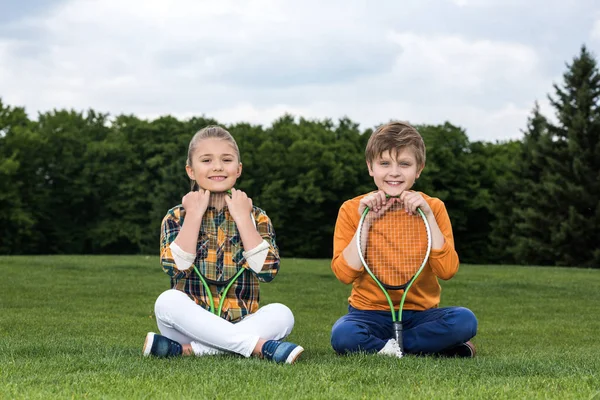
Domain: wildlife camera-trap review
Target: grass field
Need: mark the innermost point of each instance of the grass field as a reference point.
(73, 327)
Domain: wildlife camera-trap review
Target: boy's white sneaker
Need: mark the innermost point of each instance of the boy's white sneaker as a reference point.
(391, 349)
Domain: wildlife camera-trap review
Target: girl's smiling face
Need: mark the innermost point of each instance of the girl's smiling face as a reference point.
(215, 165)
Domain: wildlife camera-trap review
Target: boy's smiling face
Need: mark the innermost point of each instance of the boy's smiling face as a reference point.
(395, 171)
(215, 165)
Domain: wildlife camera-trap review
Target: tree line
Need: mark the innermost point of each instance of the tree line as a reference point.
(87, 183)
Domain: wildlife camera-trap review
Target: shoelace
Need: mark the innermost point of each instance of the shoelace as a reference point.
(397, 348)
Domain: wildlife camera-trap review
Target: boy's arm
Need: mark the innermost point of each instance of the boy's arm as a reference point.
(443, 258)
(346, 264)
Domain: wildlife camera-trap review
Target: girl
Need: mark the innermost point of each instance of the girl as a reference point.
(215, 233)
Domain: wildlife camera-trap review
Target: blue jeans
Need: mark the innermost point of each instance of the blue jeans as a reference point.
(425, 332)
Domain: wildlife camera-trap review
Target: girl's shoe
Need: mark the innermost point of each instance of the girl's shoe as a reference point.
(281, 352)
(161, 346)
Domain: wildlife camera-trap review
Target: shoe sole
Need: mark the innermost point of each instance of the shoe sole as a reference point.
(465, 350)
(471, 347)
(148, 344)
(293, 356)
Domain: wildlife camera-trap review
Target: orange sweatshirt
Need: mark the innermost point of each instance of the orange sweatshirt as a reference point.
(366, 295)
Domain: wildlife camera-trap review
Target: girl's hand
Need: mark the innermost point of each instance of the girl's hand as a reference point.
(413, 200)
(239, 204)
(196, 203)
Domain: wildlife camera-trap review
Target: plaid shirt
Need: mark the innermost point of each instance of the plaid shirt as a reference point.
(219, 254)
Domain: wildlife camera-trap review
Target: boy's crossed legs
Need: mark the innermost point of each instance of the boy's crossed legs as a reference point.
(433, 331)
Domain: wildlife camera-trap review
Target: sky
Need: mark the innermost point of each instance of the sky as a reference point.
(477, 64)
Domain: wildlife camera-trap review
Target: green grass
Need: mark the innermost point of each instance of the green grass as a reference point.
(73, 327)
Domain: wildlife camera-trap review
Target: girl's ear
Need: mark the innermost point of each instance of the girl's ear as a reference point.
(190, 172)
(239, 171)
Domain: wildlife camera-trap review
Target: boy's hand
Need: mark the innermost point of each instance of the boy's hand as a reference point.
(377, 202)
(413, 200)
(239, 204)
(196, 203)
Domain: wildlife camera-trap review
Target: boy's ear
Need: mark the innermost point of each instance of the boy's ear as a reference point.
(370, 169)
(419, 172)
(190, 172)
(239, 171)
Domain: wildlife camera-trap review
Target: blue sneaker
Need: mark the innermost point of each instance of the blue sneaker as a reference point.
(161, 346)
(281, 352)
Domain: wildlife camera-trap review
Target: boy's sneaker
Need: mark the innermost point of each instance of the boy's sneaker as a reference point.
(281, 352)
(161, 346)
(391, 349)
(463, 350)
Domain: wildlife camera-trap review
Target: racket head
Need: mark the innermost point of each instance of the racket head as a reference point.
(393, 245)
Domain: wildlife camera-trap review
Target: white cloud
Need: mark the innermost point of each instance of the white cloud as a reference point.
(595, 34)
(255, 60)
(452, 61)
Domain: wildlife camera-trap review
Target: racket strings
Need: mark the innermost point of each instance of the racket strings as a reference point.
(396, 245)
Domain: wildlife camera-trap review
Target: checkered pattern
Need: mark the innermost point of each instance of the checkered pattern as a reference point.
(219, 255)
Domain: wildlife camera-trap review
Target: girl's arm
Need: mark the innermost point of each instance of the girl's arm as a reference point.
(195, 205)
(264, 258)
(260, 251)
(170, 229)
(179, 235)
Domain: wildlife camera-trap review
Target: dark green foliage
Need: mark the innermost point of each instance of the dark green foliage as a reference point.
(16, 217)
(557, 211)
(84, 183)
(100, 187)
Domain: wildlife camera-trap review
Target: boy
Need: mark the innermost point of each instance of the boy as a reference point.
(395, 156)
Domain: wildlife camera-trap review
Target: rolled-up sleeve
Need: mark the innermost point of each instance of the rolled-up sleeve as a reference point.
(267, 232)
(444, 262)
(170, 228)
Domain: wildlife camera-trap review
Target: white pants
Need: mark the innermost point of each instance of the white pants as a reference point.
(179, 318)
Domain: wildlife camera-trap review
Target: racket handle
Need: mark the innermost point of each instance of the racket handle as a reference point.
(398, 335)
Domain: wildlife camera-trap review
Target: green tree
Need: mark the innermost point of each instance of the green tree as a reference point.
(489, 164)
(63, 191)
(16, 218)
(450, 176)
(523, 211)
(501, 179)
(303, 172)
(576, 162)
(558, 210)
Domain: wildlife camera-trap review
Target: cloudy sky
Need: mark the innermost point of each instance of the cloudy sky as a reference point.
(479, 64)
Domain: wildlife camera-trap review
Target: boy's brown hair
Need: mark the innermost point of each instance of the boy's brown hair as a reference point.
(395, 136)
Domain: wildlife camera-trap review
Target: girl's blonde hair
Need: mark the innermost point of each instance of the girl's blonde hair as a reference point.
(209, 132)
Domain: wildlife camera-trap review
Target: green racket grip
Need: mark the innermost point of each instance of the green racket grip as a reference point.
(398, 334)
